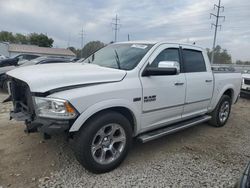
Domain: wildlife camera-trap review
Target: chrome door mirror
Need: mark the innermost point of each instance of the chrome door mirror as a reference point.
(163, 68)
(170, 65)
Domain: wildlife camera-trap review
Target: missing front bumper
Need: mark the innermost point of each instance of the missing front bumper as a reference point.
(48, 126)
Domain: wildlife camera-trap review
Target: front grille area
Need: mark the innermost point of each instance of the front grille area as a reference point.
(21, 97)
(247, 81)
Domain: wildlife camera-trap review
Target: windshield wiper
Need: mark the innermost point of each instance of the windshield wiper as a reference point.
(117, 59)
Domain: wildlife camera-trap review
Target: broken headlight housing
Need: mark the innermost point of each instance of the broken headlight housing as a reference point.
(54, 108)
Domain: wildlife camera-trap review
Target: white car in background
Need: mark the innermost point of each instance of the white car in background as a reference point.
(245, 88)
(2, 57)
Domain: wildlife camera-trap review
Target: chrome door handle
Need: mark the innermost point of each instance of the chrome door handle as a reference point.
(209, 80)
(179, 83)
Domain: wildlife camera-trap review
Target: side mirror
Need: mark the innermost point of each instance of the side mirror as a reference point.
(170, 64)
(164, 68)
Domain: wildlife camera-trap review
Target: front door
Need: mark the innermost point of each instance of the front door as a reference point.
(163, 96)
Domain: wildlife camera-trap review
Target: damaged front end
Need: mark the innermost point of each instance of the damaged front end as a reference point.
(27, 109)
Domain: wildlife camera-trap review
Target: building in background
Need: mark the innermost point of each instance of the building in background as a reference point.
(10, 50)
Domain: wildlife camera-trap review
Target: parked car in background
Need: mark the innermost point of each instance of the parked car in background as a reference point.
(75, 59)
(39, 60)
(13, 61)
(45, 60)
(3, 77)
(223, 69)
(141, 90)
(245, 87)
(80, 60)
(2, 57)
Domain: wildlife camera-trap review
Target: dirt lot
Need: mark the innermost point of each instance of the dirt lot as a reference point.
(200, 156)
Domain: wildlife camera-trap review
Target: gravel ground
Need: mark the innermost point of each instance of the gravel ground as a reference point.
(201, 156)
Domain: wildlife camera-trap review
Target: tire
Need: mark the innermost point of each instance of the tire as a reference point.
(95, 153)
(5, 86)
(218, 118)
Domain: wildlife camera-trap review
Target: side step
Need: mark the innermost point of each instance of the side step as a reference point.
(145, 137)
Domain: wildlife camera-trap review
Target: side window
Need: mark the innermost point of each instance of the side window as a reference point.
(193, 61)
(21, 57)
(169, 54)
(28, 57)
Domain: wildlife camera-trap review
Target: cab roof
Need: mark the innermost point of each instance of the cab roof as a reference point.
(159, 43)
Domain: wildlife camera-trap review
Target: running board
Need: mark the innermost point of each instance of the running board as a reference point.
(145, 137)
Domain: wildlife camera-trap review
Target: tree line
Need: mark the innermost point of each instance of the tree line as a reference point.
(41, 40)
(88, 49)
(221, 56)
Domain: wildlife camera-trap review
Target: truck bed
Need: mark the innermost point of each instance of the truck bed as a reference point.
(224, 80)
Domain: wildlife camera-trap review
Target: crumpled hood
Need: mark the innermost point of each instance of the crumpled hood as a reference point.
(43, 78)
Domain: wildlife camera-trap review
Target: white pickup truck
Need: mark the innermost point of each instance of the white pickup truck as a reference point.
(126, 90)
(245, 88)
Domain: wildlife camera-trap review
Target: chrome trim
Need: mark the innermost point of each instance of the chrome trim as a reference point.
(163, 108)
(203, 100)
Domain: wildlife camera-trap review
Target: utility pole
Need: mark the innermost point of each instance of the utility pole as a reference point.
(216, 25)
(82, 35)
(68, 40)
(116, 26)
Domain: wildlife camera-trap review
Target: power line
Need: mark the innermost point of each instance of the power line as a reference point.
(82, 35)
(216, 25)
(116, 26)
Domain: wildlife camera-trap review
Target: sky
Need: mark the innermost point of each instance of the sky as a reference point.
(185, 21)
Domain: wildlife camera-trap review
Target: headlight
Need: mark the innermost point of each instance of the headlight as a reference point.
(54, 108)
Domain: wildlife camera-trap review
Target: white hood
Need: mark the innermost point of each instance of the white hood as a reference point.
(42, 78)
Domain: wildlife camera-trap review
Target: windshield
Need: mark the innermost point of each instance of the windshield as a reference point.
(119, 56)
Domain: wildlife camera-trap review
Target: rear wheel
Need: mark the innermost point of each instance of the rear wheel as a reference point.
(221, 113)
(104, 141)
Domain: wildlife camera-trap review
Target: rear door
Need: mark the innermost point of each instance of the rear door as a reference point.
(199, 80)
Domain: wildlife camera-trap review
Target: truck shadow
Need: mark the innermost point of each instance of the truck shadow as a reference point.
(245, 96)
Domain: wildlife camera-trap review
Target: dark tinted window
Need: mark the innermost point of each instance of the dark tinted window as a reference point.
(193, 61)
(170, 54)
(29, 57)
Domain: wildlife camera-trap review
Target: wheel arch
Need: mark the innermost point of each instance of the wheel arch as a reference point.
(229, 92)
(128, 111)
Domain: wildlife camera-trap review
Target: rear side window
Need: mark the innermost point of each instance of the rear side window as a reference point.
(193, 61)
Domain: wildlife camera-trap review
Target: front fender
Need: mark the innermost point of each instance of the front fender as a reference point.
(105, 105)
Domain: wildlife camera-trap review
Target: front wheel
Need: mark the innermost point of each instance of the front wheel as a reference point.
(5, 86)
(103, 142)
(221, 113)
